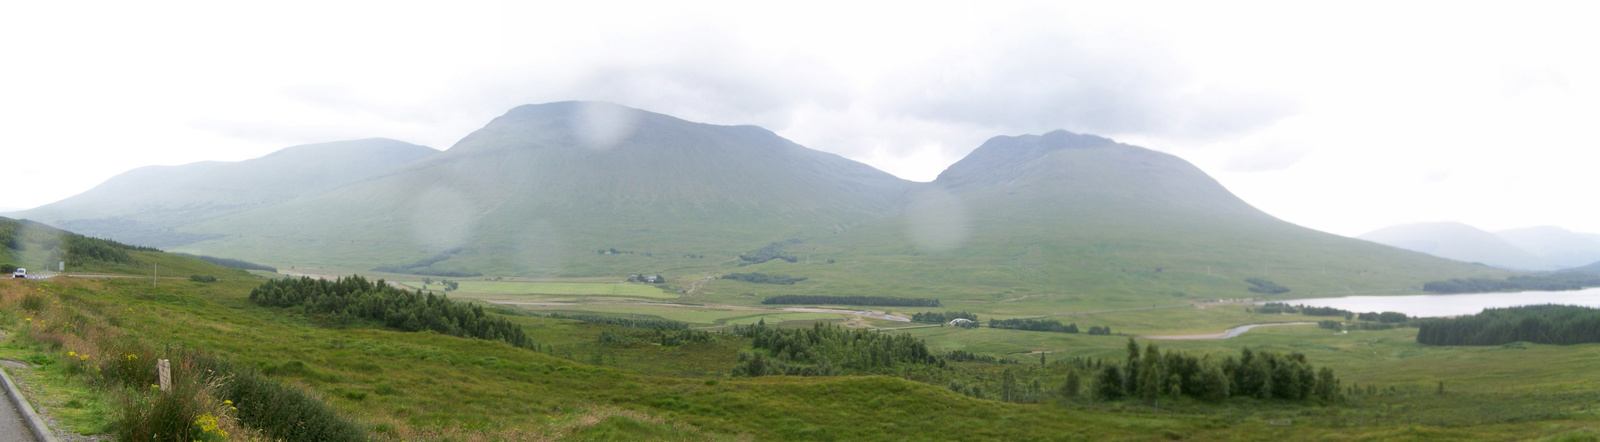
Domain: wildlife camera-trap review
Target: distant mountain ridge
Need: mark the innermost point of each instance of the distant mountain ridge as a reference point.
(1542, 248)
(541, 187)
(146, 206)
(582, 189)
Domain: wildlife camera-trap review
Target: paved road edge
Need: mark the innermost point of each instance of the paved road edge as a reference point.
(41, 431)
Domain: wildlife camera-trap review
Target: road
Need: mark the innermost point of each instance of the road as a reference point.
(11, 427)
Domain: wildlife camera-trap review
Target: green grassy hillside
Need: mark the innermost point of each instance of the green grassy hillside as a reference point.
(41, 248)
(144, 206)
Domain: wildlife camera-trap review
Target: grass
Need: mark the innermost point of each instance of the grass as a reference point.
(423, 386)
(50, 387)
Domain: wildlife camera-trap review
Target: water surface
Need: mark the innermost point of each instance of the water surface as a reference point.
(1453, 305)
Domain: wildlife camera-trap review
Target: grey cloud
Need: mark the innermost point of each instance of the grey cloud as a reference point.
(282, 133)
(1105, 86)
(1270, 158)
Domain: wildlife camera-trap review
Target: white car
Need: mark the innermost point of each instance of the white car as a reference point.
(20, 273)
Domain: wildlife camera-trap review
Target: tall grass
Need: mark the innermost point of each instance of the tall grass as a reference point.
(209, 397)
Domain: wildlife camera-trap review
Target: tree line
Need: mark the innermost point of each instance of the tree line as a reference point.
(1544, 324)
(637, 322)
(1383, 317)
(1152, 374)
(354, 297)
(1048, 325)
(1519, 283)
(942, 317)
(1263, 286)
(762, 278)
(826, 349)
(852, 300)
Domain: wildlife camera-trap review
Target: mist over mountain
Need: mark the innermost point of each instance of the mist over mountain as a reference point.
(146, 206)
(1540, 248)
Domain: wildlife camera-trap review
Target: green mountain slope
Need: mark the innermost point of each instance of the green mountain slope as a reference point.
(42, 248)
(1085, 223)
(144, 206)
(539, 190)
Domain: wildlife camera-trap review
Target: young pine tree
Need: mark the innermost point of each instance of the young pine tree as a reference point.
(1073, 385)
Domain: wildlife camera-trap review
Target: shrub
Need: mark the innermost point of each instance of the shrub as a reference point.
(202, 278)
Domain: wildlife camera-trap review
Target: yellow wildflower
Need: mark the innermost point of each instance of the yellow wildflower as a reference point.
(72, 353)
(227, 402)
(208, 424)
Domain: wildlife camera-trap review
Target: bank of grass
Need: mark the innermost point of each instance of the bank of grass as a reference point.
(430, 386)
(74, 337)
(423, 386)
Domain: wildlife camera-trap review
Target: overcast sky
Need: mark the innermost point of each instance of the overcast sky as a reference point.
(1340, 116)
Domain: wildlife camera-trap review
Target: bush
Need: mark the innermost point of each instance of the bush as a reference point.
(202, 278)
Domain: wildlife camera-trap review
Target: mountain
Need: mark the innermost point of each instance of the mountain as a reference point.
(545, 189)
(579, 189)
(1541, 248)
(149, 205)
(1078, 218)
(1592, 268)
(1555, 246)
(1457, 241)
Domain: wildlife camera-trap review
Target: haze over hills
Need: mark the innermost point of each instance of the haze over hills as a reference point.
(1535, 248)
(147, 206)
(555, 189)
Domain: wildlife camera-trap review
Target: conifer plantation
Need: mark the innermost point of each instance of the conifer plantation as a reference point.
(347, 299)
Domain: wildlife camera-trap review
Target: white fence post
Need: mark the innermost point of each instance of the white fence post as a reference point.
(164, 370)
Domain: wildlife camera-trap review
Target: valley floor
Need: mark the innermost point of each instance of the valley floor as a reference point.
(427, 386)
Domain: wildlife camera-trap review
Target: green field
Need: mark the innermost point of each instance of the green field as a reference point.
(552, 288)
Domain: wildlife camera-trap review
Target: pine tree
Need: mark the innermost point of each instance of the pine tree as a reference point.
(1073, 385)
